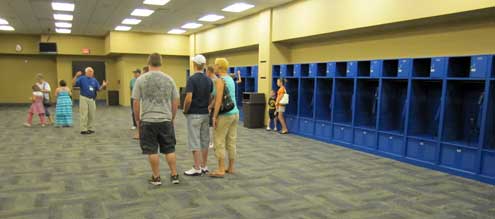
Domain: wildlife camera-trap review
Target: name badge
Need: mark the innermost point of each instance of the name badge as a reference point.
(91, 88)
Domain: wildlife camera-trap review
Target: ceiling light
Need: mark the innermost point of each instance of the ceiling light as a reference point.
(60, 6)
(123, 28)
(211, 18)
(6, 28)
(62, 30)
(3, 21)
(176, 31)
(155, 2)
(238, 7)
(142, 12)
(131, 21)
(63, 24)
(63, 17)
(191, 25)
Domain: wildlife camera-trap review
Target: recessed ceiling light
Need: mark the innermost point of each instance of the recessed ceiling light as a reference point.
(3, 21)
(176, 31)
(141, 12)
(6, 28)
(155, 2)
(211, 18)
(60, 6)
(238, 7)
(123, 28)
(62, 30)
(63, 17)
(131, 21)
(191, 25)
(63, 24)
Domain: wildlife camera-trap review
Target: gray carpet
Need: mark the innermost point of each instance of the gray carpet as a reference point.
(57, 173)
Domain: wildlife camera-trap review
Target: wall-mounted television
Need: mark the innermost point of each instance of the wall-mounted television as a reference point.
(48, 48)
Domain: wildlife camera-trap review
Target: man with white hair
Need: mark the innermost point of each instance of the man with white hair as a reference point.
(88, 87)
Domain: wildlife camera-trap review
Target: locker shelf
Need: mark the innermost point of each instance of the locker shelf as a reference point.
(340, 69)
(287, 71)
(302, 70)
(463, 112)
(424, 112)
(459, 67)
(292, 87)
(319, 69)
(421, 67)
(393, 106)
(366, 103)
(276, 70)
(489, 141)
(364, 69)
(324, 99)
(343, 101)
(306, 104)
(385, 68)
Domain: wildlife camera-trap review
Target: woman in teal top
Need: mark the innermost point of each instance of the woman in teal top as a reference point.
(225, 124)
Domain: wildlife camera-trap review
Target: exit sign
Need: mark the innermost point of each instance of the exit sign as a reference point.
(86, 51)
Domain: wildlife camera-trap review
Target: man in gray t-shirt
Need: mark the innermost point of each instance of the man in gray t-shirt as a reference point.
(156, 100)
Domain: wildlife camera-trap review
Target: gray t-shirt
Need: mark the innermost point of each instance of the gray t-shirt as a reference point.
(155, 91)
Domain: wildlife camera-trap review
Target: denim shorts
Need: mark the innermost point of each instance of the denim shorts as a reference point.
(198, 130)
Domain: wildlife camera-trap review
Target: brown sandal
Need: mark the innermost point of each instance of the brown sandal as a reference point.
(227, 171)
(216, 174)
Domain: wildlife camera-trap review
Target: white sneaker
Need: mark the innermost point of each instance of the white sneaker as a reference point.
(275, 130)
(193, 172)
(211, 145)
(133, 127)
(204, 170)
(268, 129)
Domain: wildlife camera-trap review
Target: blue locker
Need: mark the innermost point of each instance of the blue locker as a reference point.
(292, 88)
(318, 70)
(458, 157)
(342, 112)
(425, 151)
(421, 67)
(482, 66)
(323, 130)
(306, 127)
(342, 133)
(392, 144)
(385, 68)
(239, 90)
(489, 131)
(365, 138)
(292, 123)
(306, 99)
(405, 68)
(276, 71)
(464, 112)
(439, 67)
(302, 70)
(424, 113)
(323, 99)
(454, 67)
(488, 164)
(393, 106)
(287, 71)
(366, 106)
(352, 69)
(254, 71)
(250, 84)
(358, 68)
(340, 69)
(248, 71)
(332, 69)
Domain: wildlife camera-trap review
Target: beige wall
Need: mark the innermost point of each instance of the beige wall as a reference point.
(73, 45)
(18, 74)
(243, 57)
(29, 43)
(147, 43)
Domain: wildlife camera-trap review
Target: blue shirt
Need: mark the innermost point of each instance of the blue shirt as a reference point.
(88, 86)
(229, 82)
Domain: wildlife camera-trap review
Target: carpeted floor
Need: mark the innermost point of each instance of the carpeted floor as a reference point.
(57, 173)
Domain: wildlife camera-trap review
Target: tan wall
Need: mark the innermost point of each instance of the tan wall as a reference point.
(146, 43)
(236, 58)
(73, 45)
(435, 40)
(29, 43)
(18, 74)
(312, 17)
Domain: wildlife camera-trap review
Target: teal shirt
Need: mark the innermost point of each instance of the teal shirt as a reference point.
(133, 81)
(231, 85)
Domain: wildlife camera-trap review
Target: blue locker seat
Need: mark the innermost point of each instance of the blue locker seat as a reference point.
(342, 133)
(292, 87)
(318, 70)
(276, 71)
(391, 144)
(306, 101)
(460, 158)
(488, 164)
(420, 150)
(393, 106)
(323, 130)
(365, 138)
(287, 71)
(366, 106)
(343, 101)
(292, 123)
(489, 139)
(424, 113)
(323, 99)
(385, 68)
(306, 126)
(463, 112)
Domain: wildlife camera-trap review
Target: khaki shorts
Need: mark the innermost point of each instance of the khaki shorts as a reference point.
(281, 109)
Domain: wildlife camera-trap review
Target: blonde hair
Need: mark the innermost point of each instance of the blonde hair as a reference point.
(222, 64)
(40, 76)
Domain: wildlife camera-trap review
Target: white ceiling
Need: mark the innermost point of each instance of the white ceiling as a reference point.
(97, 17)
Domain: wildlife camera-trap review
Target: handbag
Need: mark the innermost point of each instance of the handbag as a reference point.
(285, 99)
(227, 103)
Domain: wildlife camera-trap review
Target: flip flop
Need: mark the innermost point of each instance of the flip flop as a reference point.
(215, 174)
(227, 171)
(284, 133)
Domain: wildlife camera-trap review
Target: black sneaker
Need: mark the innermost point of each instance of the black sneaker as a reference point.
(174, 179)
(91, 131)
(85, 133)
(156, 181)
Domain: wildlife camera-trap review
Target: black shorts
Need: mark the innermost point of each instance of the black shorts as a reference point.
(271, 114)
(160, 134)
